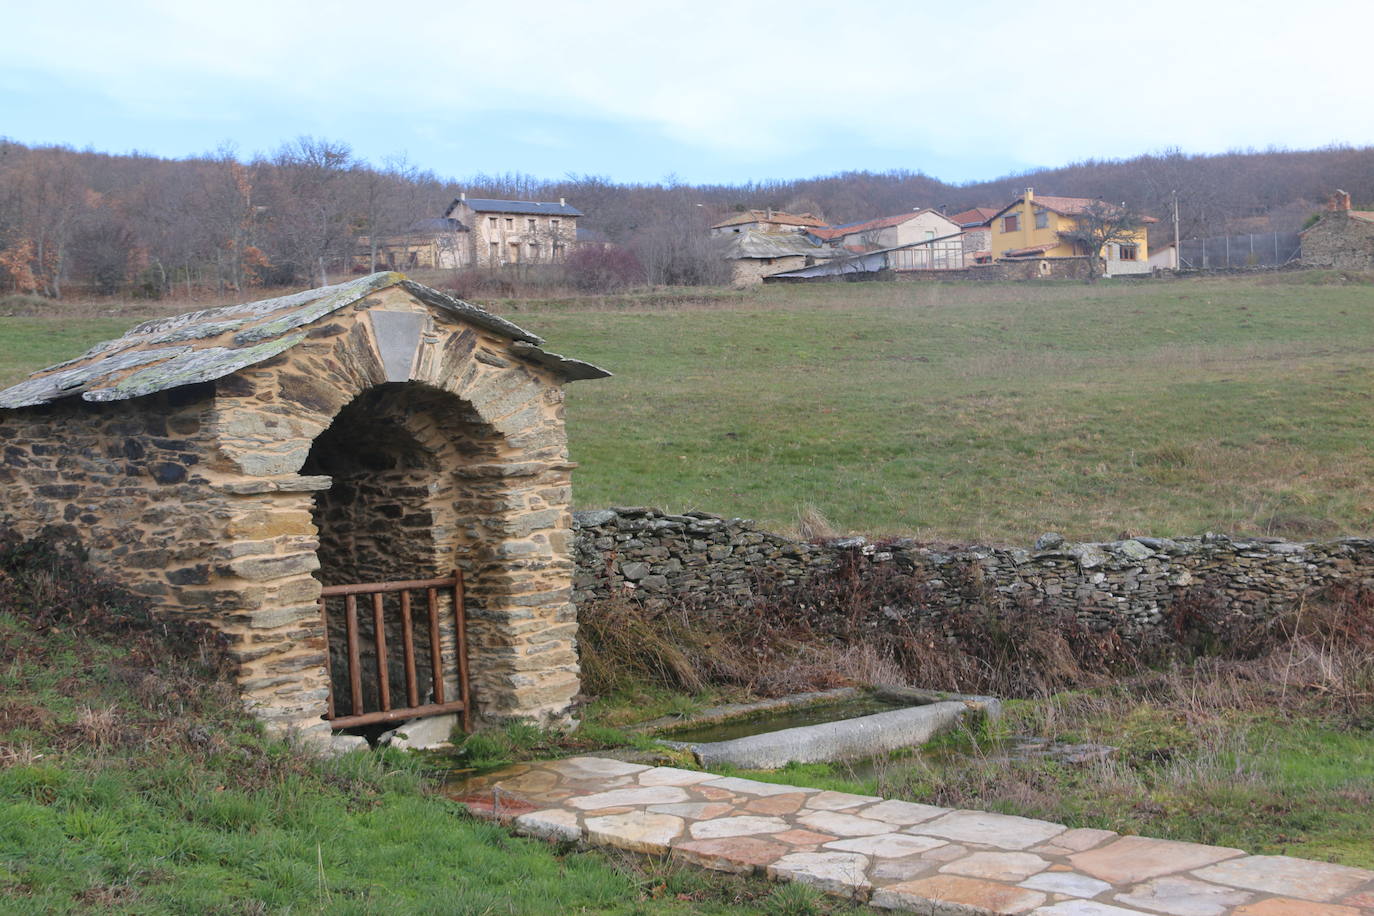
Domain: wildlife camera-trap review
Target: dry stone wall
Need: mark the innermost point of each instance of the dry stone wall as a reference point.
(1126, 585)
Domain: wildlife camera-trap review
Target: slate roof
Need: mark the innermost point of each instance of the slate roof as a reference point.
(210, 344)
(528, 207)
(754, 244)
(777, 216)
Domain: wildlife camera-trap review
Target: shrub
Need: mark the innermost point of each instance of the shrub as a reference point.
(604, 269)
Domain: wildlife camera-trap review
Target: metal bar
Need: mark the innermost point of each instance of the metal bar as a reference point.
(460, 641)
(330, 591)
(355, 674)
(383, 672)
(408, 646)
(392, 715)
(328, 669)
(435, 660)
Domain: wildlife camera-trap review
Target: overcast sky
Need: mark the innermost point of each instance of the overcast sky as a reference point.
(704, 90)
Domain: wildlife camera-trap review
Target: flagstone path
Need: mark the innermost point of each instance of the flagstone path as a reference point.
(898, 855)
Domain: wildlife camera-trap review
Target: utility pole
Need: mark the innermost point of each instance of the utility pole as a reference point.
(1178, 252)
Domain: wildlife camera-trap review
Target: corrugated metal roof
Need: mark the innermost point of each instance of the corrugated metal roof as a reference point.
(529, 207)
(210, 344)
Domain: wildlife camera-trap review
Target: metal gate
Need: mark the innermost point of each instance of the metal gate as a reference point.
(384, 710)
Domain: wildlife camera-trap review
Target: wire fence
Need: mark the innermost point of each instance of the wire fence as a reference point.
(1265, 249)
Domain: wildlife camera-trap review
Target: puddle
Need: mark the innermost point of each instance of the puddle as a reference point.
(792, 717)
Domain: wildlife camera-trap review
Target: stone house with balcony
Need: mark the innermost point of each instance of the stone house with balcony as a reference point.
(497, 233)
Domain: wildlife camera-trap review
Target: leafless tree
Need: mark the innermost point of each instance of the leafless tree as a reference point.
(1101, 224)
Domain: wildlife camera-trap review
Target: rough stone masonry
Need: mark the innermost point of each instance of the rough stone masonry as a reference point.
(196, 457)
(1123, 585)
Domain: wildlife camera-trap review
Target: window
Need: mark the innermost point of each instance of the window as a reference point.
(558, 252)
(1126, 252)
(491, 221)
(1042, 219)
(1010, 223)
(529, 224)
(495, 253)
(553, 224)
(930, 234)
(515, 252)
(510, 222)
(533, 249)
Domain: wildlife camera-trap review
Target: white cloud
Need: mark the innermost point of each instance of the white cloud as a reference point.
(1033, 82)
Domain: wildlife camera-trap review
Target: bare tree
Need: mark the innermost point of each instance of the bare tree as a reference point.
(1101, 224)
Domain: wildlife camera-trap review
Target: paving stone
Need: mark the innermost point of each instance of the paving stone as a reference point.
(957, 896)
(1084, 908)
(890, 871)
(799, 837)
(901, 813)
(696, 811)
(637, 831)
(1071, 883)
(998, 866)
(1178, 895)
(739, 854)
(743, 825)
(636, 795)
(1288, 906)
(840, 873)
(838, 801)
(887, 845)
(1079, 840)
(1003, 830)
(1288, 876)
(550, 824)
(672, 776)
(1365, 899)
(777, 804)
(530, 785)
(947, 853)
(1133, 859)
(843, 824)
(753, 787)
(593, 767)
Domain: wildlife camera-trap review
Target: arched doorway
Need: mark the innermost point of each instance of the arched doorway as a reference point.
(400, 509)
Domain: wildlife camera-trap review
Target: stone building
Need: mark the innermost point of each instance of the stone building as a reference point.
(769, 221)
(229, 463)
(1341, 238)
(500, 232)
(755, 255)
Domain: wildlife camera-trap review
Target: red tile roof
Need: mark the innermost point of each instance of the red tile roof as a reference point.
(975, 216)
(1066, 206)
(777, 216)
(1366, 215)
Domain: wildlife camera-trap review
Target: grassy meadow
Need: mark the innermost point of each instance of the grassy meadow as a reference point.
(960, 412)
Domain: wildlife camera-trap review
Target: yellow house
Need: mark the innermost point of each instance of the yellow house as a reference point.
(1029, 227)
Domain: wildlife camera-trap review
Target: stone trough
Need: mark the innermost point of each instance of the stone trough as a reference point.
(928, 715)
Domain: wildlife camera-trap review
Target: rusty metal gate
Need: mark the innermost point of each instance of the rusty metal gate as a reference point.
(383, 710)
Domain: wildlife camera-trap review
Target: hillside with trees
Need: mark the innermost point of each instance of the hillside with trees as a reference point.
(107, 224)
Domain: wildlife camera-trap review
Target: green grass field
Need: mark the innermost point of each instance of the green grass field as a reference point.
(962, 412)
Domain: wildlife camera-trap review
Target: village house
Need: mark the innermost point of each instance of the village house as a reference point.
(1031, 227)
(500, 232)
(921, 225)
(977, 226)
(766, 221)
(480, 232)
(1341, 238)
(754, 255)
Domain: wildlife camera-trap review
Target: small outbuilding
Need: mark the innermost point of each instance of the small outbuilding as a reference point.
(364, 487)
(1341, 238)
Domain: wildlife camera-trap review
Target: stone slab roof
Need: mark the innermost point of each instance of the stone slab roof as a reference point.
(209, 344)
(752, 244)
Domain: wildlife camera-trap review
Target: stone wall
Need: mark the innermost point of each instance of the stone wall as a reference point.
(1340, 241)
(1125, 586)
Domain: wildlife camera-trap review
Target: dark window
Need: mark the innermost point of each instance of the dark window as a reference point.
(1010, 223)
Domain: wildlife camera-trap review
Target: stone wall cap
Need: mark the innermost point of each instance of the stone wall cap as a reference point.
(296, 483)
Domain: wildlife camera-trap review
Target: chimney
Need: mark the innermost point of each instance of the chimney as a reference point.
(1340, 201)
(463, 196)
(562, 201)
(1030, 195)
